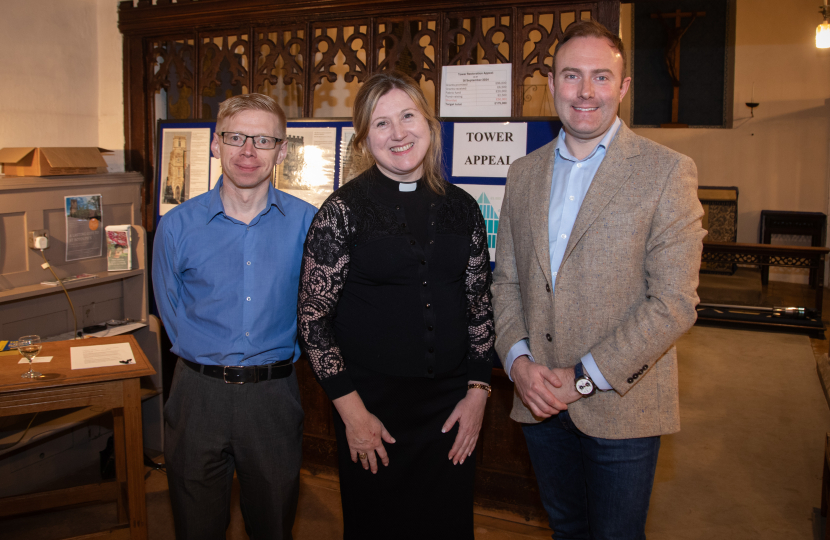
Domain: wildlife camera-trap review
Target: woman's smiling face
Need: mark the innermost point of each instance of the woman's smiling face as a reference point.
(399, 137)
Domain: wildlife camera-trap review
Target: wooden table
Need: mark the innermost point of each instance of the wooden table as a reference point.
(116, 388)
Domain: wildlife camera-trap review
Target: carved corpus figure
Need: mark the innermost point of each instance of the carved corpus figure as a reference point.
(672, 54)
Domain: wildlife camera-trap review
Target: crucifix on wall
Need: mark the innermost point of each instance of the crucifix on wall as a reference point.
(672, 54)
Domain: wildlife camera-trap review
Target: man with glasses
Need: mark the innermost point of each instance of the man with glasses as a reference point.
(226, 269)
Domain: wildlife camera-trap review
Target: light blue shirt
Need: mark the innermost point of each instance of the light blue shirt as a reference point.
(571, 179)
(227, 290)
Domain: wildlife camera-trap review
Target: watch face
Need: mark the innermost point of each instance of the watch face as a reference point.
(584, 386)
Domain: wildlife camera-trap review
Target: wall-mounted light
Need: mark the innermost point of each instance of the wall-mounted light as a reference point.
(752, 103)
(823, 30)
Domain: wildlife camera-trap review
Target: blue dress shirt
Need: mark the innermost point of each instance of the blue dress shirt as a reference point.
(571, 179)
(227, 290)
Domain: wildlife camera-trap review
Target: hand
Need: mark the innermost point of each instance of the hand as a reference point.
(537, 385)
(469, 413)
(567, 392)
(364, 431)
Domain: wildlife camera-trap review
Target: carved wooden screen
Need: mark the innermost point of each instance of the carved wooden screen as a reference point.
(170, 69)
(541, 29)
(280, 65)
(340, 51)
(224, 68)
(182, 59)
(410, 44)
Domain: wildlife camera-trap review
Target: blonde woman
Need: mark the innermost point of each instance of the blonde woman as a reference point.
(395, 316)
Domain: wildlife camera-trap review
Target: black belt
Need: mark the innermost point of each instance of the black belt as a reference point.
(243, 374)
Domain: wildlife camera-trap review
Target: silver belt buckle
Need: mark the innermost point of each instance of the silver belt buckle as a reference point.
(225, 375)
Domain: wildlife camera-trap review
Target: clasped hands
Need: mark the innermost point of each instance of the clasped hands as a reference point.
(546, 392)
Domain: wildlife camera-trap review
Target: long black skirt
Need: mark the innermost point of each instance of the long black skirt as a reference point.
(421, 494)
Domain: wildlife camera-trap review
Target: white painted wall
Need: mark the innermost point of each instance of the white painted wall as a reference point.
(779, 159)
(110, 83)
(63, 87)
(61, 82)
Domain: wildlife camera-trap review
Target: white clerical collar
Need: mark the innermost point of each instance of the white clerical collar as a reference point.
(407, 186)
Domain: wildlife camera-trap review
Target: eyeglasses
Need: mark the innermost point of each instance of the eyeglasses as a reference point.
(262, 142)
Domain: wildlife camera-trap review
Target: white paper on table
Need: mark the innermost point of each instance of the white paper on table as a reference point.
(117, 330)
(100, 355)
(37, 360)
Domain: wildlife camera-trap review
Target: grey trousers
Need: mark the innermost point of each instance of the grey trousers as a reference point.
(213, 428)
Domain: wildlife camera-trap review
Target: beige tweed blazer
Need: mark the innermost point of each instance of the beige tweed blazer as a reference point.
(626, 289)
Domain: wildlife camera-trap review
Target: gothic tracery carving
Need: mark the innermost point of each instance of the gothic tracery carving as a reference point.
(170, 68)
(201, 52)
(288, 45)
(487, 31)
(538, 59)
(351, 38)
(402, 42)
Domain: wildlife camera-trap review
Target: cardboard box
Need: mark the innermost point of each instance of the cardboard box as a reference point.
(39, 161)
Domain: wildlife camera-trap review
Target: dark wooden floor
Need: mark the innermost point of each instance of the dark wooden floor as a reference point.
(505, 481)
(744, 288)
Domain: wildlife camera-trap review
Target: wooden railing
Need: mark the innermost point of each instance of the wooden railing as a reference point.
(766, 255)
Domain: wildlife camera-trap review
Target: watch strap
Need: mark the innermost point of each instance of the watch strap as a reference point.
(581, 380)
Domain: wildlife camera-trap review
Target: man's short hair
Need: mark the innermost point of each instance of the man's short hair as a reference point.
(250, 102)
(590, 28)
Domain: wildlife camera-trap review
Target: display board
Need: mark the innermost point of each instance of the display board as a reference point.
(488, 191)
(477, 154)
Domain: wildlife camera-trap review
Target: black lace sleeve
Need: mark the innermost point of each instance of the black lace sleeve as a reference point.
(479, 309)
(322, 276)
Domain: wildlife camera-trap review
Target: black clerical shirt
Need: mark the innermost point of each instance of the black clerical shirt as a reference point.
(396, 282)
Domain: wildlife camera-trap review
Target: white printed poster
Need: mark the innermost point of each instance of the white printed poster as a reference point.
(482, 91)
(487, 149)
(489, 199)
(307, 172)
(215, 171)
(185, 166)
(347, 170)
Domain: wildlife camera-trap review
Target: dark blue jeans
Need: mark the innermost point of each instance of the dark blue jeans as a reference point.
(592, 488)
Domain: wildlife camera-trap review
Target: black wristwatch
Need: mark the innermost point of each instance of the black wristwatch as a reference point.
(584, 385)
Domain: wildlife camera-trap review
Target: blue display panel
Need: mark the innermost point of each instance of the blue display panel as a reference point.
(539, 133)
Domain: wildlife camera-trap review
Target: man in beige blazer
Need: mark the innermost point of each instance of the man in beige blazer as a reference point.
(597, 264)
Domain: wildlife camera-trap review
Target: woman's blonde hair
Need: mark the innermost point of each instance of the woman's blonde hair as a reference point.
(377, 86)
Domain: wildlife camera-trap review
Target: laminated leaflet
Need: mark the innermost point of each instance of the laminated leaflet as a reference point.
(119, 252)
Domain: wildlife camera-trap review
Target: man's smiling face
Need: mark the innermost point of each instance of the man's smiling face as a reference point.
(246, 166)
(588, 86)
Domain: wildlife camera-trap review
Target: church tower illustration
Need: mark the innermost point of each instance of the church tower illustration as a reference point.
(491, 219)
